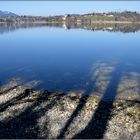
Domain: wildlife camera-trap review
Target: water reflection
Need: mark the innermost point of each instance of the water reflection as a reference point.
(70, 61)
(10, 27)
(110, 27)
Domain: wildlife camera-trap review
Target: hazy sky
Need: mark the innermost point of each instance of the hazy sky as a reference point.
(45, 8)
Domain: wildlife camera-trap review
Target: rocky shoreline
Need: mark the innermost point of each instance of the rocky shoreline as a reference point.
(27, 113)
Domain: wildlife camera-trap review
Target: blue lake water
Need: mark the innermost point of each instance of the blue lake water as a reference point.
(68, 60)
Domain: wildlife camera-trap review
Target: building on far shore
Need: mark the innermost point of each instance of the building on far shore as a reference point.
(65, 17)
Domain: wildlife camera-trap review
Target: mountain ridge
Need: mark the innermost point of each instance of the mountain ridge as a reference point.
(7, 13)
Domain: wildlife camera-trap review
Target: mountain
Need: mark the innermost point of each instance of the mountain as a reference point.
(6, 13)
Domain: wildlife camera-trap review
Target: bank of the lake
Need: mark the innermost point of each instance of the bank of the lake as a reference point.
(28, 113)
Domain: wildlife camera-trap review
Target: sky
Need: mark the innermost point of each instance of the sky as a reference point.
(48, 8)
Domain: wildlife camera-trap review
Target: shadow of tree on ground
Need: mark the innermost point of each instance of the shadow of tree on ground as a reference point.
(24, 124)
(21, 125)
(97, 125)
(111, 89)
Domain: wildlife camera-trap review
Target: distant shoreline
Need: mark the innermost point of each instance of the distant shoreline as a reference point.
(108, 22)
(110, 17)
(113, 26)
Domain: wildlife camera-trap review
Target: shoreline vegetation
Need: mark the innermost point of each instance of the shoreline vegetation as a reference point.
(124, 22)
(123, 17)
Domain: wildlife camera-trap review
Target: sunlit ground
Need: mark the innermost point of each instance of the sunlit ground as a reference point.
(107, 108)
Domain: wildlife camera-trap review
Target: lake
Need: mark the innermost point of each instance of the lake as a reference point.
(77, 60)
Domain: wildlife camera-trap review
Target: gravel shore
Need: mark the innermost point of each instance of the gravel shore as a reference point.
(27, 113)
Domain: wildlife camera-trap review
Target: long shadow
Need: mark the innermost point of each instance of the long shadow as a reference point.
(10, 102)
(13, 87)
(98, 124)
(22, 125)
(9, 89)
(80, 106)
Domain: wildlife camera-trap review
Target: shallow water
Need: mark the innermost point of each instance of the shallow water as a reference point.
(71, 60)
